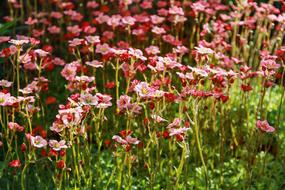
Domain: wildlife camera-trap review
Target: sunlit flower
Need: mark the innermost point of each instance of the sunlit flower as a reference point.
(57, 146)
(264, 126)
(38, 141)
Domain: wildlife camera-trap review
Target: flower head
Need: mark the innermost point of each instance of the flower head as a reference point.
(55, 145)
(38, 142)
(264, 126)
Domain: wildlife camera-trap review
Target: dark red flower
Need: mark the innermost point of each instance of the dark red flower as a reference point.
(60, 164)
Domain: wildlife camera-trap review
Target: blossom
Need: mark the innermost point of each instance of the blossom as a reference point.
(152, 50)
(119, 139)
(104, 100)
(88, 99)
(132, 140)
(157, 118)
(57, 127)
(15, 127)
(103, 49)
(41, 52)
(4, 39)
(15, 164)
(137, 53)
(18, 42)
(264, 126)
(128, 140)
(158, 30)
(92, 39)
(94, 63)
(156, 19)
(57, 146)
(124, 102)
(178, 131)
(75, 42)
(176, 10)
(53, 29)
(176, 122)
(128, 20)
(203, 50)
(69, 71)
(61, 164)
(143, 90)
(7, 99)
(5, 83)
(38, 141)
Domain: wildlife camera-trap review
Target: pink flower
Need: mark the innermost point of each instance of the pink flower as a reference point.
(156, 19)
(176, 123)
(127, 140)
(95, 64)
(4, 39)
(56, 15)
(157, 118)
(128, 20)
(57, 127)
(143, 90)
(171, 39)
(179, 131)
(103, 49)
(92, 39)
(264, 126)
(53, 29)
(203, 50)
(88, 99)
(132, 140)
(5, 83)
(119, 139)
(152, 50)
(15, 127)
(92, 4)
(75, 42)
(74, 29)
(158, 30)
(69, 72)
(114, 21)
(124, 102)
(38, 142)
(31, 21)
(6, 99)
(104, 100)
(41, 52)
(19, 42)
(58, 61)
(176, 10)
(137, 53)
(55, 145)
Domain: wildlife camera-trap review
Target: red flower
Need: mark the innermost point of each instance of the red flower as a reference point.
(107, 143)
(246, 87)
(15, 163)
(60, 164)
(165, 134)
(50, 100)
(128, 148)
(43, 152)
(62, 153)
(170, 97)
(23, 147)
(52, 152)
(151, 105)
(110, 85)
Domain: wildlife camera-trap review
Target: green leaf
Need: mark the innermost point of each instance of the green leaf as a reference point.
(4, 27)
